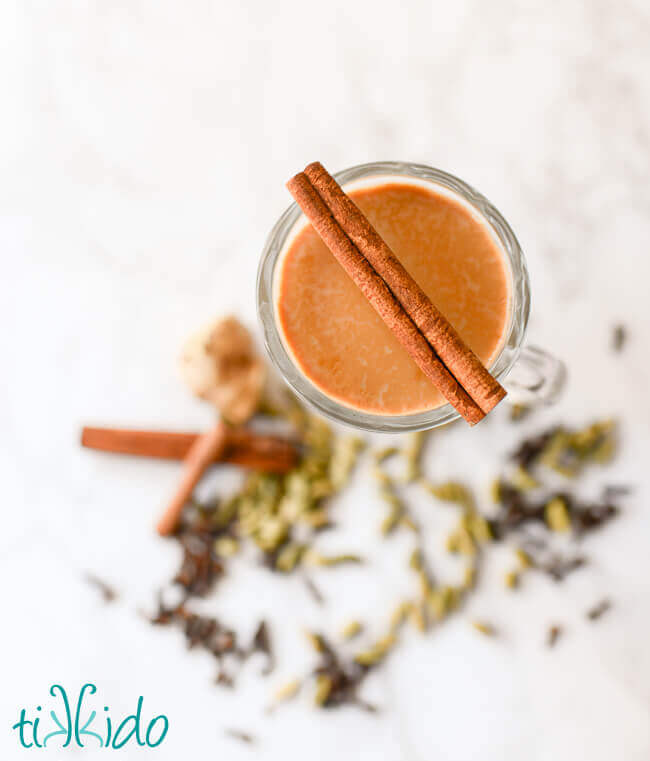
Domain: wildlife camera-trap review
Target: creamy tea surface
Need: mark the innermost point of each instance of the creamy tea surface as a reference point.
(337, 339)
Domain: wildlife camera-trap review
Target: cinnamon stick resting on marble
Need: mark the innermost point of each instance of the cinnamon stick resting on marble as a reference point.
(204, 450)
(244, 447)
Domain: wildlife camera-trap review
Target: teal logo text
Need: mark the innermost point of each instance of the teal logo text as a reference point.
(79, 724)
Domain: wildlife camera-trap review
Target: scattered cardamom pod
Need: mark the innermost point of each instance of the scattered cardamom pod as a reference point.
(311, 557)
(557, 515)
(382, 478)
(316, 641)
(287, 691)
(484, 628)
(316, 519)
(344, 457)
(415, 560)
(426, 585)
(381, 455)
(441, 601)
(271, 533)
(452, 598)
(437, 604)
(521, 479)
(461, 541)
(511, 579)
(323, 689)
(289, 556)
(556, 454)
(469, 577)
(479, 528)
(452, 543)
(351, 629)
(225, 546)
(450, 491)
(409, 523)
(377, 652)
(495, 491)
(523, 557)
(418, 616)
(400, 615)
(412, 453)
(391, 521)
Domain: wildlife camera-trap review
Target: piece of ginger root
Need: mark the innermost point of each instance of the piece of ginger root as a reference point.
(220, 364)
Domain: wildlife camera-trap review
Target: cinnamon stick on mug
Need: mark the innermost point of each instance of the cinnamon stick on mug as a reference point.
(420, 327)
(375, 289)
(460, 360)
(203, 451)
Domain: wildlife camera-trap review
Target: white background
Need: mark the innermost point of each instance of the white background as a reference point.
(144, 147)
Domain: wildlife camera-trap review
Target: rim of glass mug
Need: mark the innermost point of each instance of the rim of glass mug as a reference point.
(376, 172)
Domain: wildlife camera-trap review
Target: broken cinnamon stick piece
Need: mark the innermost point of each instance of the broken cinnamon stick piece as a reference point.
(203, 451)
(459, 359)
(271, 454)
(380, 297)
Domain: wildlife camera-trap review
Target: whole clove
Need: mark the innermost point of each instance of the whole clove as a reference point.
(530, 449)
(262, 644)
(552, 635)
(337, 679)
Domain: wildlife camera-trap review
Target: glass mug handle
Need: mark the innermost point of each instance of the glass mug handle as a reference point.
(536, 378)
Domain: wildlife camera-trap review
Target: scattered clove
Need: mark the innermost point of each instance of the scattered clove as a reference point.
(553, 634)
(262, 644)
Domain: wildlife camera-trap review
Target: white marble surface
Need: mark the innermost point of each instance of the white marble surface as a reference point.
(143, 151)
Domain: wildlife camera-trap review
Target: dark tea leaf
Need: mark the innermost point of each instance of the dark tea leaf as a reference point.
(238, 734)
(598, 610)
(619, 338)
(107, 592)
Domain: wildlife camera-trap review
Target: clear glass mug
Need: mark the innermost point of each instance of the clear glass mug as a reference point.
(528, 373)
